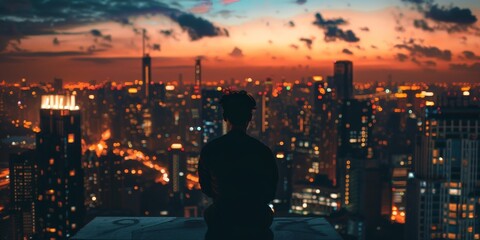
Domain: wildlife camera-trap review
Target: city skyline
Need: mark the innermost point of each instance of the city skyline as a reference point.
(404, 40)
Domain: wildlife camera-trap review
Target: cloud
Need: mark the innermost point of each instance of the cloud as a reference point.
(236, 52)
(197, 27)
(332, 31)
(300, 2)
(365, 29)
(374, 47)
(426, 51)
(294, 46)
(202, 7)
(451, 15)
(26, 54)
(156, 47)
(308, 42)
(225, 2)
(422, 24)
(401, 57)
(346, 51)
(415, 1)
(475, 67)
(55, 41)
(38, 17)
(470, 55)
(96, 33)
(430, 63)
(291, 24)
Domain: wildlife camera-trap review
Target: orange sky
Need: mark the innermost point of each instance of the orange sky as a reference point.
(269, 47)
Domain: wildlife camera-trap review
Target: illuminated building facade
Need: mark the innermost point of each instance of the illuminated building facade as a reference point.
(146, 76)
(321, 201)
(60, 195)
(212, 117)
(177, 167)
(282, 201)
(444, 200)
(324, 131)
(22, 194)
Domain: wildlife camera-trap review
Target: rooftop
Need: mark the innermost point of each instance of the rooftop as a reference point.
(172, 228)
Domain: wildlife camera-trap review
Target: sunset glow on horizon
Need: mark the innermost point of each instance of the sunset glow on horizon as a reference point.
(410, 40)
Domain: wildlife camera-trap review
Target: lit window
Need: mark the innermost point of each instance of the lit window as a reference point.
(72, 173)
(51, 161)
(71, 138)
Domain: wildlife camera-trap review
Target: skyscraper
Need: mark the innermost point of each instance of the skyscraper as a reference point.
(343, 79)
(212, 118)
(22, 194)
(60, 198)
(146, 76)
(177, 167)
(443, 192)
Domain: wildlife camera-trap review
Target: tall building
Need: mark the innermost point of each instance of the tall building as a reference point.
(60, 193)
(198, 72)
(212, 118)
(146, 76)
(443, 192)
(343, 79)
(177, 167)
(22, 194)
(324, 131)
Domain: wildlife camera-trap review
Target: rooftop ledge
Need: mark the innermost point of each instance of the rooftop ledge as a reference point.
(170, 228)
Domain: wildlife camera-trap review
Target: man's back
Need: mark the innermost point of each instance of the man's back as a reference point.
(238, 171)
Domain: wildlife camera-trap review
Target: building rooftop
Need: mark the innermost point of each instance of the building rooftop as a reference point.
(172, 228)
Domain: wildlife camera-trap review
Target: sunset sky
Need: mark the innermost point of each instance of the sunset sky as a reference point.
(82, 40)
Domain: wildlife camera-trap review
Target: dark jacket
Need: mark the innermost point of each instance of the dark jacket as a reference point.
(239, 172)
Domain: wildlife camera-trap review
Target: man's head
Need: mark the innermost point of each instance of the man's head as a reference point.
(237, 108)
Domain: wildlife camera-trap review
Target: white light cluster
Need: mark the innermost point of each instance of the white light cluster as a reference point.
(59, 102)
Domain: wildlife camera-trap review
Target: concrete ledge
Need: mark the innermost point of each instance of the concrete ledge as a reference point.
(171, 228)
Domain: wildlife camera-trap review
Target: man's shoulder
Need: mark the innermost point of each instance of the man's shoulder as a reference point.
(213, 144)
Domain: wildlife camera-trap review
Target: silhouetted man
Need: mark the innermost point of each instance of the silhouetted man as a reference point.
(240, 174)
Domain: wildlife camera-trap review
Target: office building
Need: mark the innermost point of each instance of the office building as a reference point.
(60, 192)
(443, 196)
(22, 194)
(343, 79)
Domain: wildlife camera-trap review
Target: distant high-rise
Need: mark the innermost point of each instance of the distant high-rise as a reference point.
(146, 75)
(60, 199)
(198, 72)
(212, 118)
(177, 168)
(22, 194)
(443, 197)
(343, 79)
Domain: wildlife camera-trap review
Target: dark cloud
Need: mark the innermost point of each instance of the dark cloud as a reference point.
(451, 15)
(401, 57)
(300, 2)
(430, 63)
(374, 47)
(475, 67)
(426, 51)
(308, 42)
(156, 47)
(294, 46)
(365, 29)
(236, 52)
(291, 24)
(197, 27)
(332, 30)
(422, 24)
(96, 33)
(470, 55)
(166, 32)
(55, 41)
(38, 17)
(346, 51)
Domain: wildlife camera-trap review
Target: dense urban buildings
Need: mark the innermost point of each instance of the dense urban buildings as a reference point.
(378, 160)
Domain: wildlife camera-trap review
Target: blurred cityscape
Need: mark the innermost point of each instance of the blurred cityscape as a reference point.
(378, 160)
